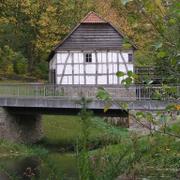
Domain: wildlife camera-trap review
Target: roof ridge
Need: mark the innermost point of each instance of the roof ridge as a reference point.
(93, 17)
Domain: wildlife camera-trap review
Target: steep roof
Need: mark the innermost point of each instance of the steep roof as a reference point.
(96, 36)
(92, 33)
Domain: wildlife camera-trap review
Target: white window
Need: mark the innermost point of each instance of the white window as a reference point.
(88, 57)
(130, 58)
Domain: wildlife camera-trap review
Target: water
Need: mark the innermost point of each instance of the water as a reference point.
(53, 166)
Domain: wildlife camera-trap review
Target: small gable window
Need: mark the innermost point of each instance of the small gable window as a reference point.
(130, 58)
(88, 57)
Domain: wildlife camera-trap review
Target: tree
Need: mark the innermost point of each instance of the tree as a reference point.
(12, 62)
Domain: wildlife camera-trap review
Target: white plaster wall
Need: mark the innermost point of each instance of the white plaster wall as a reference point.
(102, 79)
(73, 65)
(90, 68)
(52, 63)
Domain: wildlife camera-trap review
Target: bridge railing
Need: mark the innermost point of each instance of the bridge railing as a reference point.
(138, 92)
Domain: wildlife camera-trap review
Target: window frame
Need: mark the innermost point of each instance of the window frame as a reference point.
(130, 57)
(88, 57)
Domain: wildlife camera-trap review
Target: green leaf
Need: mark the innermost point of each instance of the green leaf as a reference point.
(120, 74)
(124, 106)
(149, 117)
(171, 107)
(102, 94)
(173, 61)
(140, 114)
(172, 21)
(127, 82)
(107, 106)
(158, 45)
(130, 73)
(127, 45)
(161, 54)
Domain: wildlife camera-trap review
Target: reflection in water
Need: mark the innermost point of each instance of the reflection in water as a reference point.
(24, 169)
(53, 166)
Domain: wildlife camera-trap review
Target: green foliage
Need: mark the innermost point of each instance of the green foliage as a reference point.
(9, 149)
(127, 78)
(102, 94)
(141, 157)
(120, 74)
(12, 62)
(167, 52)
(166, 92)
(32, 28)
(41, 70)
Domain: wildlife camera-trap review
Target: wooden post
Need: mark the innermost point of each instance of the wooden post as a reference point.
(84, 68)
(55, 73)
(96, 59)
(107, 67)
(64, 67)
(124, 62)
(72, 68)
(112, 67)
(118, 80)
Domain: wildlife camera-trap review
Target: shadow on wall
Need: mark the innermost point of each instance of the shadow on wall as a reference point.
(20, 127)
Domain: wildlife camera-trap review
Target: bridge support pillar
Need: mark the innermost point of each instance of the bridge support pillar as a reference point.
(122, 120)
(20, 127)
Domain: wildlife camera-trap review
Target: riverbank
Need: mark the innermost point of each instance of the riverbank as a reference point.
(9, 149)
(55, 156)
(111, 152)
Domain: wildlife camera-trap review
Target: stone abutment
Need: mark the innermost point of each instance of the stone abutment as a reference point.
(20, 127)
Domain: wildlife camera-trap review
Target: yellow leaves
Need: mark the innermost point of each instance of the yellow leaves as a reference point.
(51, 8)
(12, 20)
(9, 69)
(25, 6)
(25, 3)
(160, 6)
(4, 20)
(49, 28)
(178, 107)
(43, 21)
(33, 22)
(47, 18)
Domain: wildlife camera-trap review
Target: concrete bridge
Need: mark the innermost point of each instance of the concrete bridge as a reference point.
(22, 104)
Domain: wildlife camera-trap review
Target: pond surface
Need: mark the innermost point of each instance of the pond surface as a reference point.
(53, 166)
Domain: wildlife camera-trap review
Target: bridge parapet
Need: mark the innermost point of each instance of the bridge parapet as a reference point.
(132, 93)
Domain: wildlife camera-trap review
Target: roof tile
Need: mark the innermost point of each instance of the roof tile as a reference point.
(92, 17)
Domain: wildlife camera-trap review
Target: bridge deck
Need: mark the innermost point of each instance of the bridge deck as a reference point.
(58, 96)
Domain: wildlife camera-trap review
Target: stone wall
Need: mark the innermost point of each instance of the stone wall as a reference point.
(22, 128)
(120, 121)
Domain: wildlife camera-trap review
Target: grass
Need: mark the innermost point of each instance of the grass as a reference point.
(66, 130)
(9, 149)
(61, 129)
(151, 157)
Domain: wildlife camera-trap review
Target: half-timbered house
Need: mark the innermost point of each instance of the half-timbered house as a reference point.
(91, 55)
